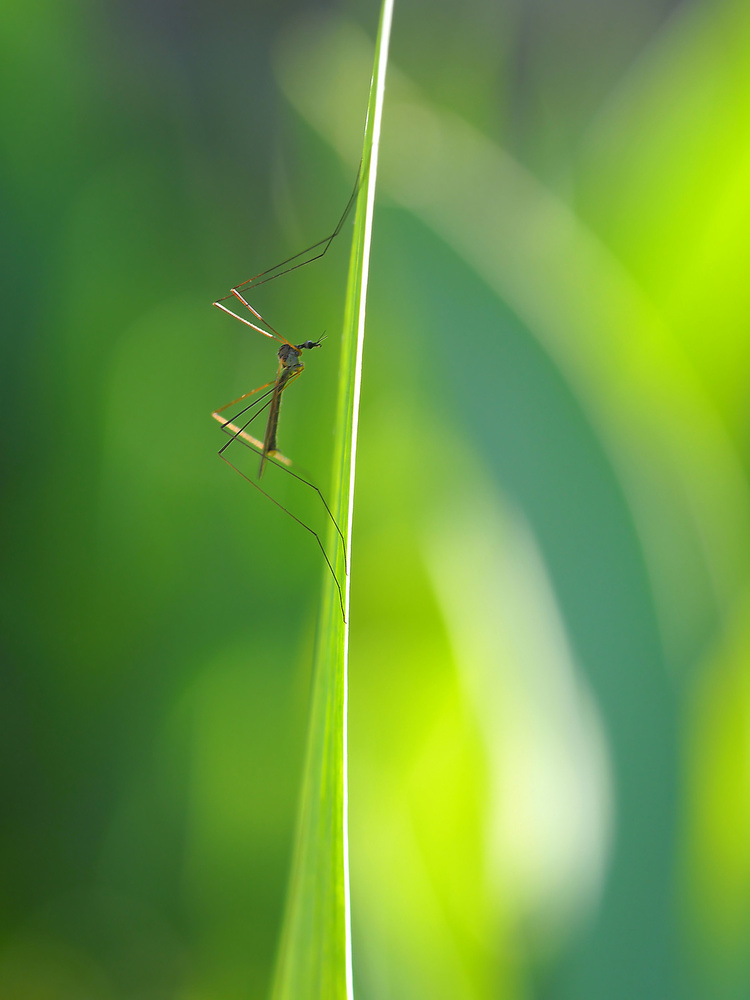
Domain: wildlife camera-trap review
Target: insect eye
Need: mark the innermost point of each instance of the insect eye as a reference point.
(309, 344)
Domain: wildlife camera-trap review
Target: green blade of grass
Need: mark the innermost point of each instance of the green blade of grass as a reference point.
(315, 951)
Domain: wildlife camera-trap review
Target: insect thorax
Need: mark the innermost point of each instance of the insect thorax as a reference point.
(289, 356)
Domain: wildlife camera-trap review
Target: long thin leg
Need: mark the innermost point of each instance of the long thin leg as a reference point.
(268, 274)
(277, 388)
(302, 523)
(257, 413)
(274, 335)
(245, 396)
(273, 272)
(283, 463)
(244, 426)
(239, 434)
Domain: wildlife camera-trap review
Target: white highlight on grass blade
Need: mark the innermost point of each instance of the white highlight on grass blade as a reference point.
(380, 72)
(315, 954)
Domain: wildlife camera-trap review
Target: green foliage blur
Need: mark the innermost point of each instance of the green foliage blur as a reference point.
(550, 663)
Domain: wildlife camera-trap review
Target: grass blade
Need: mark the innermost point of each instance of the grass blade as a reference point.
(315, 952)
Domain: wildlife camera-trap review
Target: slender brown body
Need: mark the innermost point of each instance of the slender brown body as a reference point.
(290, 367)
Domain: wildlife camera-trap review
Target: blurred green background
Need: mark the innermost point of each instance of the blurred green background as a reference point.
(550, 676)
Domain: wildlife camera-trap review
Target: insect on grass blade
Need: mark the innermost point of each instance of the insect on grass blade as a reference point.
(266, 399)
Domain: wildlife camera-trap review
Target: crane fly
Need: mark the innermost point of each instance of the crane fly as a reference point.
(290, 367)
